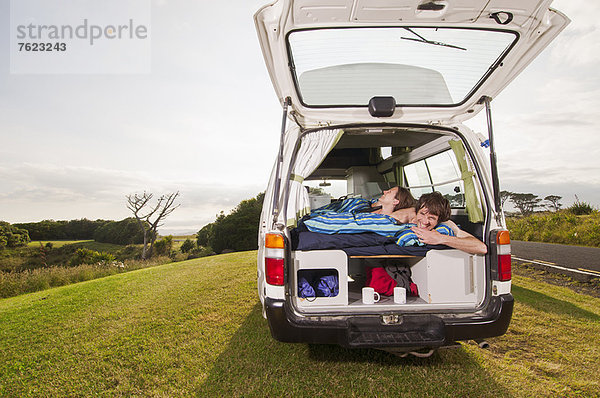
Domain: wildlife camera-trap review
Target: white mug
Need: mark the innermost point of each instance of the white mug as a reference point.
(399, 295)
(368, 295)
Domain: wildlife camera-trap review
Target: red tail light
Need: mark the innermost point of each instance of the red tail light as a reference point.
(504, 258)
(274, 271)
(274, 259)
(504, 270)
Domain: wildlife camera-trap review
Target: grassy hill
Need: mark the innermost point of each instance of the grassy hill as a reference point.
(195, 328)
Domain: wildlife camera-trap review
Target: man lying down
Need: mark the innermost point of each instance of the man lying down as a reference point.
(395, 214)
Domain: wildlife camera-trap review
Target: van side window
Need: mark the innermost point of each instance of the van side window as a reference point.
(417, 178)
(386, 152)
(331, 188)
(436, 173)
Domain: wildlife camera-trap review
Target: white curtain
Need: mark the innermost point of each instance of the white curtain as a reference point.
(314, 147)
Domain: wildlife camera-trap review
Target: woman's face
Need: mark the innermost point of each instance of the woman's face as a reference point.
(389, 197)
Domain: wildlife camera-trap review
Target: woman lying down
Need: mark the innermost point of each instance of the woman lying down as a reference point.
(395, 214)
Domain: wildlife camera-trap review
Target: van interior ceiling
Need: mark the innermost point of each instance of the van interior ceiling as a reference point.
(359, 147)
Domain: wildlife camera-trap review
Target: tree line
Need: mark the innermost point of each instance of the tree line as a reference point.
(82, 229)
(124, 232)
(12, 236)
(141, 228)
(528, 203)
(236, 231)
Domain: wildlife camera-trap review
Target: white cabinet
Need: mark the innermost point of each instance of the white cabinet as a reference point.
(333, 260)
(450, 276)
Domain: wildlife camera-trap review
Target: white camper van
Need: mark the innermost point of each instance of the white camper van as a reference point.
(374, 93)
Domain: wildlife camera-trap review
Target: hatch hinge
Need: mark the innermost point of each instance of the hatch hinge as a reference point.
(286, 103)
(493, 160)
(295, 116)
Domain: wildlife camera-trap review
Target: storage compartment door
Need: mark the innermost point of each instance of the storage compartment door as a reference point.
(450, 276)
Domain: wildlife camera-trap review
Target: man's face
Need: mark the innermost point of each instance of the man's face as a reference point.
(425, 219)
(389, 197)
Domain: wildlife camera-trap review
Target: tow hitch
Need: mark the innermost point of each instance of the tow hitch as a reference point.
(391, 319)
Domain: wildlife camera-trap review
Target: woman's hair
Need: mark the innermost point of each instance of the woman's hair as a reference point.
(436, 204)
(405, 199)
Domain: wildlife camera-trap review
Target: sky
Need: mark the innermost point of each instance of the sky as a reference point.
(204, 120)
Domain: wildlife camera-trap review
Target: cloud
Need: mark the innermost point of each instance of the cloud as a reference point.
(32, 192)
(549, 118)
(549, 174)
(30, 181)
(577, 45)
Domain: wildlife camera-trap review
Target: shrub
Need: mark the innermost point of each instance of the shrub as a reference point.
(11, 236)
(87, 256)
(188, 246)
(201, 252)
(204, 235)
(103, 258)
(130, 252)
(580, 208)
(163, 246)
(560, 227)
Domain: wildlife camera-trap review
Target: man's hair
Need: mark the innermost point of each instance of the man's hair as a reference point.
(405, 199)
(436, 204)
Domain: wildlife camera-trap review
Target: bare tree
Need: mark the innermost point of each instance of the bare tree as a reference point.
(144, 213)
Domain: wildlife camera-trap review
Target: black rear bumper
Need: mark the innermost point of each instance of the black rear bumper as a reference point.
(414, 331)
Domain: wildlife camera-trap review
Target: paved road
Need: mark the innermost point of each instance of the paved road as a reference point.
(574, 257)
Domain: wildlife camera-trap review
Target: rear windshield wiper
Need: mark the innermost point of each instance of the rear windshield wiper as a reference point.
(421, 39)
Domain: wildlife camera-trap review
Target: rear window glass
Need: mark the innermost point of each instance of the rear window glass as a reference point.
(417, 66)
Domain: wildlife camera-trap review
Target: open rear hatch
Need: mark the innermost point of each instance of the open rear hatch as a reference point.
(437, 59)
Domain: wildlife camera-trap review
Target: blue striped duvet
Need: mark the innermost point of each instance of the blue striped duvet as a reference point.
(329, 221)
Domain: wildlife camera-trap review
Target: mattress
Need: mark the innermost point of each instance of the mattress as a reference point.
(363, 244)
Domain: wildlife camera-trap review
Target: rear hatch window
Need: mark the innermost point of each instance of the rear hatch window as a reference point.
(416, 66)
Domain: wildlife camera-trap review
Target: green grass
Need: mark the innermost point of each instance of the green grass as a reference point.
(182, 237)
(29, 269)
(195, 328)
(55, 243)
(29, 257)
(28, 281)
(93, 245)
(559, 227)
